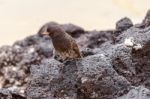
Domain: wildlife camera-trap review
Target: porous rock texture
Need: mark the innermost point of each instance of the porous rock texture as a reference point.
(139, 92)
(10, 94)
(115, 65)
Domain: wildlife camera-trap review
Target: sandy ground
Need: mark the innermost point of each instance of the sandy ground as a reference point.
(20, 18)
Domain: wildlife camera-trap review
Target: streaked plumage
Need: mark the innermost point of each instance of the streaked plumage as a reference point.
(63, 43)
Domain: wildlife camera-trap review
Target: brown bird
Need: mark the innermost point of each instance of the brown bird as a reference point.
(65, 46)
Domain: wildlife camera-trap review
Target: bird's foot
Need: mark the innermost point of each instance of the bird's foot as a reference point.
(57, 57)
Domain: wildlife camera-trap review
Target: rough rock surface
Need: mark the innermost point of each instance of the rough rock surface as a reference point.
(115, 65)
(10, 94)
(146, 21)
(90, 78)
(73, 30)
(124, 24)
(137, 93)
(15, 61)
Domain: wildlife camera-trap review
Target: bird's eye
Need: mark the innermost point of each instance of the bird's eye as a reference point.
(48, 30)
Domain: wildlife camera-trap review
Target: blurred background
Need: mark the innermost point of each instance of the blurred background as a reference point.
(21, 18)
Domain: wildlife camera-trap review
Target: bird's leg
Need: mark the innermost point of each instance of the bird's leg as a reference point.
(57, 56)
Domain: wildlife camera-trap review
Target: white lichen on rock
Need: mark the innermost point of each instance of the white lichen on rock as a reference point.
(129, 41)
(31, 50)
(137, 46)
(84, 79)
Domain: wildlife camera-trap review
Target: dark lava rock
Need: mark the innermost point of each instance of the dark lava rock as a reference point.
(137, 93)
(124, 24)
(97, 38)
(89, 78)
(146, 21)
(87, 51)
(132, 61)
(73, 30)
(8, 94)
(15, 61)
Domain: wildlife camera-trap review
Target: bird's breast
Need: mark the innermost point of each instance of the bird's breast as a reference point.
(61, 44)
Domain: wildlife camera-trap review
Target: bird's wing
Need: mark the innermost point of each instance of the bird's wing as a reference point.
(73, 48)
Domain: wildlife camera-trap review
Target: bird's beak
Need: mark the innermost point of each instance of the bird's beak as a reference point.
(45, 33)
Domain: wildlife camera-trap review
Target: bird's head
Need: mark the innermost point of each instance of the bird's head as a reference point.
(51, 29)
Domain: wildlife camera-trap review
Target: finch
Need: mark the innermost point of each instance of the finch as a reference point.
(65, 46)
